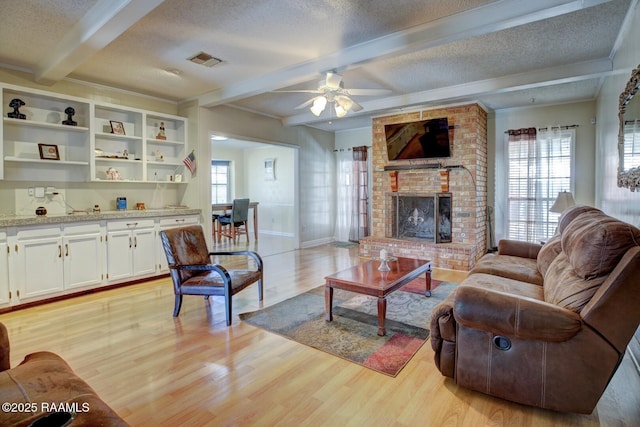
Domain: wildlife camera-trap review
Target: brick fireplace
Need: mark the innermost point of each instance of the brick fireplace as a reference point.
(465, 185)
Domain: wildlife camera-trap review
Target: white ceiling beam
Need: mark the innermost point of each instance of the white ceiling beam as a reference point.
(102, 24)
(536, 78)
(486, 19)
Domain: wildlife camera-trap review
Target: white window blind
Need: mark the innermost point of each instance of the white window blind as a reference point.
(220, 178)
(631, 153)
(538, 168)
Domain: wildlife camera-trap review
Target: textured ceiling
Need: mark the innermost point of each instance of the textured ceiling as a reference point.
(425, 52)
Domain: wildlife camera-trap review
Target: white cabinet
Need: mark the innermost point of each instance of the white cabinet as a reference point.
(53, 259)
(130, 249)
(5, 297)
(40, 146)
(38, 262)
(165, 224)
(82, 254)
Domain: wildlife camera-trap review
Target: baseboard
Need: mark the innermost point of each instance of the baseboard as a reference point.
(317, 242)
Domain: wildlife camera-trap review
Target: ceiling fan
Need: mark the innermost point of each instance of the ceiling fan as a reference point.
(331, 90)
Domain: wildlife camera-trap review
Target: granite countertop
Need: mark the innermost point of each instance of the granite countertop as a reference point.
(18, 220)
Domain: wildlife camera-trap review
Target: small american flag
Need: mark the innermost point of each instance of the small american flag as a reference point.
(190, 162)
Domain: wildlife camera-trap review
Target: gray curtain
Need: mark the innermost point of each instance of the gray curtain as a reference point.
(359, 224)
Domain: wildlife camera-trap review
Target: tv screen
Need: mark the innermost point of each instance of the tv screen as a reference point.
(426, 139)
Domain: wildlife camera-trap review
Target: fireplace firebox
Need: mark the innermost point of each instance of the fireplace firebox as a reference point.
(420, 217)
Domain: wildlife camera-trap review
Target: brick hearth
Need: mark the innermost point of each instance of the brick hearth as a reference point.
(468, 185)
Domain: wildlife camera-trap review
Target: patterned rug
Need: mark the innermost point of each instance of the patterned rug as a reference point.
(353, 333)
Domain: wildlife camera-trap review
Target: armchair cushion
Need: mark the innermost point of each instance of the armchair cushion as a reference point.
(509, 266)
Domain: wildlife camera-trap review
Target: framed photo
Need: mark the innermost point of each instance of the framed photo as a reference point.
(117, 127)
(49, 152)
(269, 169)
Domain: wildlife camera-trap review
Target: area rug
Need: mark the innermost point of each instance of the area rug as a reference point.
(352, 335)
(344, 245)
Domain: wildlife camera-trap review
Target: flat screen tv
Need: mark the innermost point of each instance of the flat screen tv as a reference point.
(425, 139)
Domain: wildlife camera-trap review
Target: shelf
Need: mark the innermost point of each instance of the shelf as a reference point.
(163, 142)
(117, 160)
(44, 162)
(151, 162)
(32, 123)
(116, 136)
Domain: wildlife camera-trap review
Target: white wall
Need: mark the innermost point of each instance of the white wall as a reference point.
(579, 113)
(276, 197)
(315, 179)
(619, 202)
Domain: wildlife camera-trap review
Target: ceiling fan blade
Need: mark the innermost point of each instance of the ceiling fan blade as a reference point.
(333, 81)
(297, 91)
(356, 106)
(306, 103)
(368, 92)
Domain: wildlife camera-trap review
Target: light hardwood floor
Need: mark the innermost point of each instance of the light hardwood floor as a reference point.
(194, 371)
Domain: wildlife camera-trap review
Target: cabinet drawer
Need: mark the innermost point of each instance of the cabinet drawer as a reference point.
(178, 221)
(91, 228)
(38, 232)
(131, 224)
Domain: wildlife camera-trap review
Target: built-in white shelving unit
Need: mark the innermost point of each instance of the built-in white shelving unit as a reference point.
(106, 138)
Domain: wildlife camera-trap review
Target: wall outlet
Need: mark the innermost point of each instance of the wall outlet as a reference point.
(39, 192)
(31, 192)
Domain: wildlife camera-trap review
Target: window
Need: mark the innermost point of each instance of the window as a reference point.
(631, 155)
(220, 179)
(540, 165)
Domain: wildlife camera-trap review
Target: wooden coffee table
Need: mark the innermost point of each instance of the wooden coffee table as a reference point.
(366, 279)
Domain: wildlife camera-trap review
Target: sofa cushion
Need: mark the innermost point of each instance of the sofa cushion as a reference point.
(548, 253)
(563, 287)
(595, 243)
(572, 213)
(504, 284)
(511, 267)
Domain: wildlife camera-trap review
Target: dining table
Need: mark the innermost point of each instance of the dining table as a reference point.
(224, 207)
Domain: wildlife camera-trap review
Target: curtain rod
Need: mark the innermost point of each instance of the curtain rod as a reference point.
(351, 148)
(553, 127)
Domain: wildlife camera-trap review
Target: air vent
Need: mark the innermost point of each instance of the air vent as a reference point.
(205, 59)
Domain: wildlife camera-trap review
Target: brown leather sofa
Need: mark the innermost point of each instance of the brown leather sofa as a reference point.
(545, 325)
(43, 384)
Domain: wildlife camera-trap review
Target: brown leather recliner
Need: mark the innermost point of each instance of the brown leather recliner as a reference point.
(44, 385)
(551, 331)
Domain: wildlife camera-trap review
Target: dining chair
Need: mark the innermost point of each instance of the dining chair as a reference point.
(194, 272)
(234, 224)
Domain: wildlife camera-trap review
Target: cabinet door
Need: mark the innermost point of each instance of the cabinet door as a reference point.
(39, 266)
(4, 270)
(82, 260)
(119, 255)
(144, 254)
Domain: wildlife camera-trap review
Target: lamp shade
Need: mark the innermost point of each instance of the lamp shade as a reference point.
(318, 105)
(563, 202)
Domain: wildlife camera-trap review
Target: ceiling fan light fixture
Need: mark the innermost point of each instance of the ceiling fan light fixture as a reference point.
(344, 102)
(318, 106)
(340, 112)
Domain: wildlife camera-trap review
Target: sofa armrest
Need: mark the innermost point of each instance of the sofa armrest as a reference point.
(519, 248)
(5, 348)
(513, 315)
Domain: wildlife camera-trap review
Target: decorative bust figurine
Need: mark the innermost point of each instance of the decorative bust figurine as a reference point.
(161, 134)
(16, 104)
(70, 111)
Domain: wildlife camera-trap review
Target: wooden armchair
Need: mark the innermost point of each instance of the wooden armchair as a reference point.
(194, 273)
